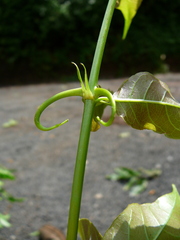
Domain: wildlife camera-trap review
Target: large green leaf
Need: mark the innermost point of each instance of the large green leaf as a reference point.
(87, 230)
(159, 220)
(128, 9)
(145, 102)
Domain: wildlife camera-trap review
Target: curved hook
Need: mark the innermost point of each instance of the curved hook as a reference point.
(42, 107)
(112, 103)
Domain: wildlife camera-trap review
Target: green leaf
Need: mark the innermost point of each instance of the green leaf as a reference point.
(4, 220)
(151, 221)
(149, 173)
(10, 198)
(7, 196)
(10, 123)
(34, 234)
(136, 186)
(87, 230)
(145, 102)
(6, 174)
(128, 9)
(136, 181)
(122, 173)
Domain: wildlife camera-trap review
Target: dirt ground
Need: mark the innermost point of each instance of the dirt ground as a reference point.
(44, 161)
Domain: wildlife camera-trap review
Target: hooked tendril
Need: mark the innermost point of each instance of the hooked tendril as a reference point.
(43, 106)
(103, 92)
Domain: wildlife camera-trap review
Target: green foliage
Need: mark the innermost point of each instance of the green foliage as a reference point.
(139, 101)
(4, 195)
(6, 174)
(10, 123)
(34, 234)
(151, 221)
(25, 28)
(4, 220)
(128, 9)
(87, 230)
(154, 32)
(47, 35)
(136, 180)
(145, 102)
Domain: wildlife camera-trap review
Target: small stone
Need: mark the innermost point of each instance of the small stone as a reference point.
(12, 237)
(124, 134)
(152, 192)
(98, 195)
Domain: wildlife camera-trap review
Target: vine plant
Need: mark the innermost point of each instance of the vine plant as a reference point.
(144, 102)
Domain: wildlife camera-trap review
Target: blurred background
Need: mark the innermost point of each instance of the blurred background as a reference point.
(40, 38)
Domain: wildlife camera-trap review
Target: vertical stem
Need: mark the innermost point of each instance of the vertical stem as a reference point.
(77, 186)
(79, 170)
(95, 69)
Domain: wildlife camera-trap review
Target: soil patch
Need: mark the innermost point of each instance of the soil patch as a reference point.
(44, 161)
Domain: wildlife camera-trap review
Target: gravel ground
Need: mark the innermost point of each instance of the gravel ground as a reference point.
(44, 161)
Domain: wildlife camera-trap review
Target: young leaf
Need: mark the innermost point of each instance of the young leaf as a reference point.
(146, 103)
(151, 221)
(128, 9)
(87, 230)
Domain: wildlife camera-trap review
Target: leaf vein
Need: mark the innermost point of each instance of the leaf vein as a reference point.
(147, 90)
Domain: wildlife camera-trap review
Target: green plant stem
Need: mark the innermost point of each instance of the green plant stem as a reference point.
(79, 170)
(96, 65)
